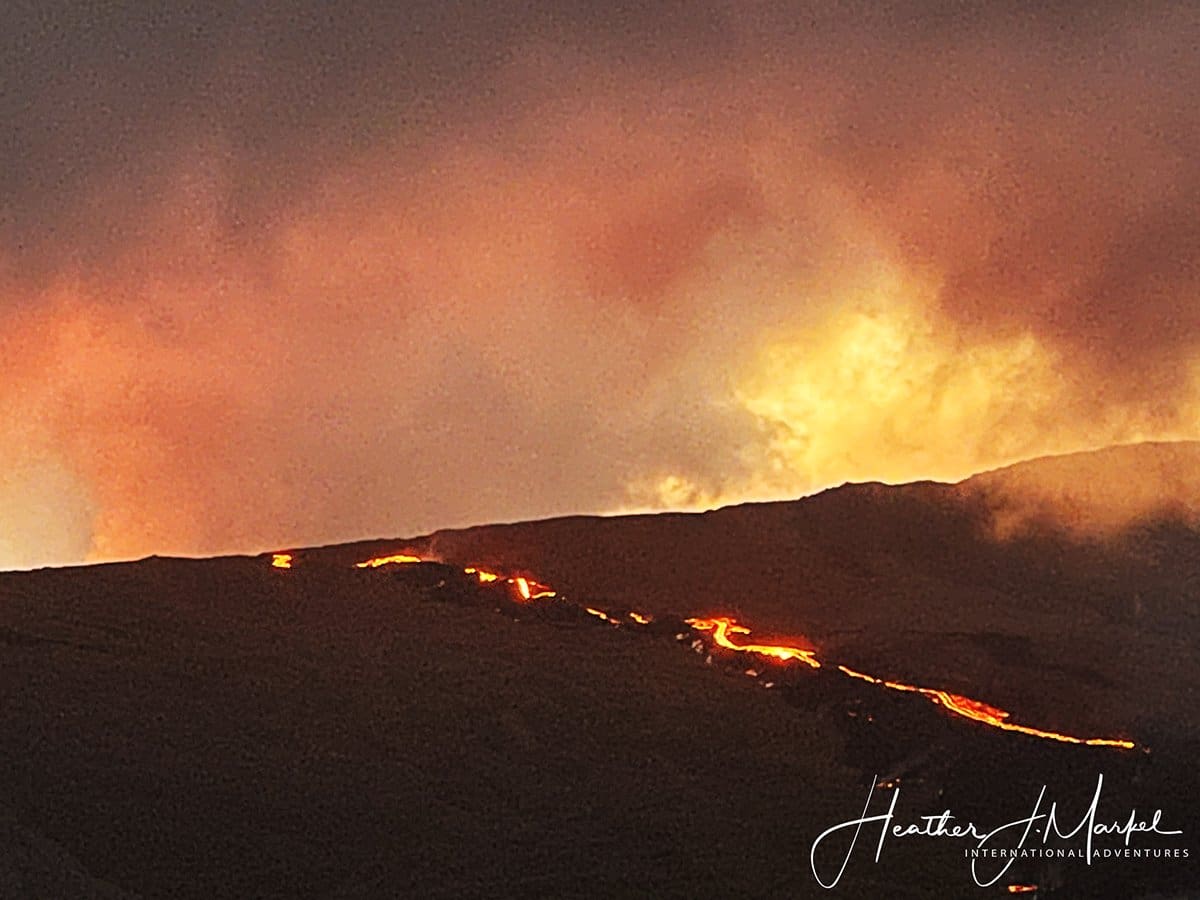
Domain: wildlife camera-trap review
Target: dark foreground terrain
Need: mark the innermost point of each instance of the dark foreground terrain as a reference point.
(221, 728)
(218, 728)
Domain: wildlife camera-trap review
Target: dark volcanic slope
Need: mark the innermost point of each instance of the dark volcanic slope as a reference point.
(221, 729)
(1088, 630)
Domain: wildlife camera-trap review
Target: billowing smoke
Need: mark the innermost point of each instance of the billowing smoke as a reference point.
(1093, 496)
(294, 275)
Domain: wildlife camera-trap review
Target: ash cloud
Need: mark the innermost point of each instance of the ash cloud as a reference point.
(295, 275)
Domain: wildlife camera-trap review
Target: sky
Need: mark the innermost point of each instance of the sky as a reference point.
(280, 274)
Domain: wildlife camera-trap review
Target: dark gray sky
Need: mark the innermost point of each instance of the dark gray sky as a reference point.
(291, 273)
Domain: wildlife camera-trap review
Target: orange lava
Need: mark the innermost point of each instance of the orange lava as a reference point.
(600, 614)
(399, 559)
(484, 577)
(526, 588)
(722, 627)
(1022, 888)
(979, 711)
(537, 590)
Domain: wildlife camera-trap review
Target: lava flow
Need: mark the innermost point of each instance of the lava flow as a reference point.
(398, 559)
(722, 627)
(484, 577)
(526, 590)
(979, 711)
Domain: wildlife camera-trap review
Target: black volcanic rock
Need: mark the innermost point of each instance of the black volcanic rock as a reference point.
(1019, 586)
(220, 728)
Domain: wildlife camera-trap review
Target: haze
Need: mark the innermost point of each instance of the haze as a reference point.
(294, 274)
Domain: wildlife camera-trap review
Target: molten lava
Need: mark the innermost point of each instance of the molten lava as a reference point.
(600, 614)
(527, 590)
(722, 627)
(537, 590)
(484, 577)
(398, 559)
(979, 711)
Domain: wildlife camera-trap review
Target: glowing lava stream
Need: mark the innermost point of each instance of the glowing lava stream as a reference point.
(983, 712)
(722, 627)
(378, 561)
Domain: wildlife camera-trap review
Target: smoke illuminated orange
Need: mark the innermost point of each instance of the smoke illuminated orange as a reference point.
(721, 628)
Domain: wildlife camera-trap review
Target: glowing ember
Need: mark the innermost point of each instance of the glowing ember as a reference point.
(397, 559)
(722, 627)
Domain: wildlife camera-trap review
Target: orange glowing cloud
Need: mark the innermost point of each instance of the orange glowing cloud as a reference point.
(885, 388)
(559, 278)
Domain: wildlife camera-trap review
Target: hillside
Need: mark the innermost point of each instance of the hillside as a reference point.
(227, 728)
(220, 729)
(916, 582)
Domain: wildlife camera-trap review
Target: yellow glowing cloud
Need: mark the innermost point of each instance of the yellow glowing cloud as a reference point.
(881, 394)
(883, 388)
